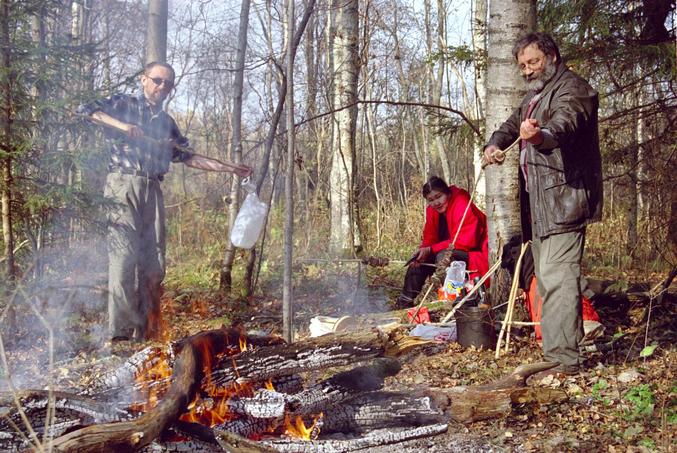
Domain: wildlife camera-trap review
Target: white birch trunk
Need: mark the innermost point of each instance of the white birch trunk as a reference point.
(156, 38)
(345, 69)
(479, 41)
(508, 19)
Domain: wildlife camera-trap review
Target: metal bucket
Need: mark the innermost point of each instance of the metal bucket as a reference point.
(475, 327)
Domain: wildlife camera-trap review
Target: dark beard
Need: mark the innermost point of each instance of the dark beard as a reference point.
(538, 82)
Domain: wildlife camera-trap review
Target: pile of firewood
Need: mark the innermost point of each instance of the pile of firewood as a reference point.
(261, 395)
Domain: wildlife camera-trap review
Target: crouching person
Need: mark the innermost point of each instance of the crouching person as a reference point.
(446, 205)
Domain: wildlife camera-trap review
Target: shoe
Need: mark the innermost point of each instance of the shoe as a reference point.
(119, 338)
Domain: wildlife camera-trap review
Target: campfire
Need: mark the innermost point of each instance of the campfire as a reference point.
(223, 391)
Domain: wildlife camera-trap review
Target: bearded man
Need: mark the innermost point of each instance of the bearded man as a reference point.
(144, 140)
(560, 186)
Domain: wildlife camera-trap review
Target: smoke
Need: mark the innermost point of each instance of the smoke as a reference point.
(57, 315)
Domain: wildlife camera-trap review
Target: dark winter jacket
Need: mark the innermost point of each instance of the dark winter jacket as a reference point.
(564, 172)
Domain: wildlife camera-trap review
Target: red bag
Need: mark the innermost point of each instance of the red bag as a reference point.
(535, 303)
(422, 316)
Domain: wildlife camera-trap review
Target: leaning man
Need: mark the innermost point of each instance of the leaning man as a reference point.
(144, 139)
(560, 185)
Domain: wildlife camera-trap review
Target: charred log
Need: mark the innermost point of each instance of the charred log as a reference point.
(372, 439)
(343, 386)
(381, 410)
(69, 412)
(313, 354)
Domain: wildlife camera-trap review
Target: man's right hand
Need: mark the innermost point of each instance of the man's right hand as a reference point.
(493, 155)
(133, 131)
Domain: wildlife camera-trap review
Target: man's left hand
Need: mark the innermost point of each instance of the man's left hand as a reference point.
(243, 171)
(530, 131)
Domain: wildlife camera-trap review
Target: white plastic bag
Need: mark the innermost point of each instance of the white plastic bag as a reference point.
(250, 219)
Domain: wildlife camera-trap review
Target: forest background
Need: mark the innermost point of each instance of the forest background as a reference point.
(421, 71)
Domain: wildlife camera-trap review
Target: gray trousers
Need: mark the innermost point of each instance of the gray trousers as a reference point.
(136, 252)
(557, 263)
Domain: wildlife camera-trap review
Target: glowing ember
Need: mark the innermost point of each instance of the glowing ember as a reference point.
(269, 385)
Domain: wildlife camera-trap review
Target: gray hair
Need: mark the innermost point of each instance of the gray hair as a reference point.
(543, 41)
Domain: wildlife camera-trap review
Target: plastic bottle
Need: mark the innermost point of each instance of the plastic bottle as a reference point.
(249, 221)
(455, 278)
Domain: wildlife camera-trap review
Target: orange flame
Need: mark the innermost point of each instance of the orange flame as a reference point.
(299, 430)
(153, 382)
(269, 385)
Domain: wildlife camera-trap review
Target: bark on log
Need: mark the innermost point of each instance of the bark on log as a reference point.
(312, 354)
(469, 404)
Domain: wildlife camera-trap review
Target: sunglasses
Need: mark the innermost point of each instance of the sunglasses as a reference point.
(159, 81)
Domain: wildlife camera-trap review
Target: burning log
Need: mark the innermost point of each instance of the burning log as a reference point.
(124, 375)
(313, 354)
(374, 438)
(194, 354)
(343, 386)
(480, 402)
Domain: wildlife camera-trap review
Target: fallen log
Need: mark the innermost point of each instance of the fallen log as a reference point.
(480, 402)
(342, 387)
(374, 438)
(376, 410)
(313, 354)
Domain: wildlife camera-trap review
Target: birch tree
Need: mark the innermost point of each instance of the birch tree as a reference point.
(156, 38)
(345, 73)
(508, 19)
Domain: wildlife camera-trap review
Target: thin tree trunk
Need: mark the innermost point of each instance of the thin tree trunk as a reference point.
(479, 40)
(226, 279)
(156, 38)
(437, 91)
(507, 20)
(288, 294)
(6, 143)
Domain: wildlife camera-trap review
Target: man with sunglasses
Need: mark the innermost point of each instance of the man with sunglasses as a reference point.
(144, 141)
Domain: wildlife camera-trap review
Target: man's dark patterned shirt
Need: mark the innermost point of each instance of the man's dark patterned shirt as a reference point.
(128, 154)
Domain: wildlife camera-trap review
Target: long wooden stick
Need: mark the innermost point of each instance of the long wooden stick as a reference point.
(511, 303)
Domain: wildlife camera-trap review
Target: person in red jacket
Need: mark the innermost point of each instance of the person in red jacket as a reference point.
(446, 205)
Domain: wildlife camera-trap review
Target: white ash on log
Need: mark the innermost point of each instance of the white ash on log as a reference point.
(378, 410)
(264, 404)
(124, 375)
(374, 438)
(313, 354)
(69, 411)
(343, 386)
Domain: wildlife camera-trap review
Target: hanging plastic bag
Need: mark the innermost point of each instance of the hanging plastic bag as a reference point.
(250, 219)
